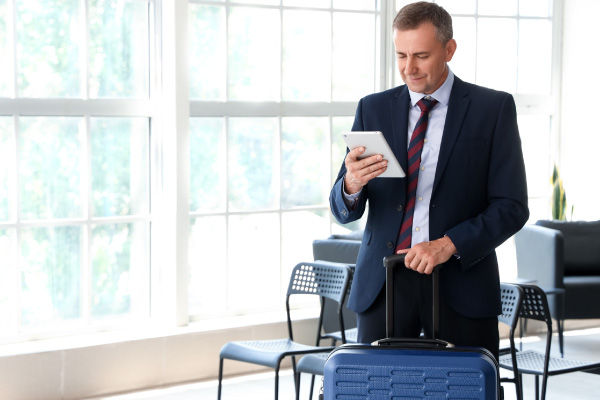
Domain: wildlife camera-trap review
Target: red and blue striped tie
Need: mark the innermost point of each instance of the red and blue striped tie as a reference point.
(414, 161)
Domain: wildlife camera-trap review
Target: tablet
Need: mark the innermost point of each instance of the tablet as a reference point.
(375, 143)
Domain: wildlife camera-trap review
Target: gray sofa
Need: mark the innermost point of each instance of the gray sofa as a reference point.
(563, 257)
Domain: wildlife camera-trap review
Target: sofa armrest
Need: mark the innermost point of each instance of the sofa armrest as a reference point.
(540, 255)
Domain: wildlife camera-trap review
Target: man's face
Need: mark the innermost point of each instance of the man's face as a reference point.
(422, 58)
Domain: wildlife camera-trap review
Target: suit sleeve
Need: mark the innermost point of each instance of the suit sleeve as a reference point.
(342, 213)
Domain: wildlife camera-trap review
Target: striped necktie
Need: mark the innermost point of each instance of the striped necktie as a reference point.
(414, 161)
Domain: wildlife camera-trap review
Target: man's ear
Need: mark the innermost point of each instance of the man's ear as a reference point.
(450, 49)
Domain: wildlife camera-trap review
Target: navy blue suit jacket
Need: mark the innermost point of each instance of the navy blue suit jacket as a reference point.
(479, 196)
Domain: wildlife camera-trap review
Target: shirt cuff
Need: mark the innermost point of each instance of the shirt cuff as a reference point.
(350, 199)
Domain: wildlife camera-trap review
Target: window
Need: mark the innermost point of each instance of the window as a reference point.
(272, 86)
(89, 150)
(75, 165)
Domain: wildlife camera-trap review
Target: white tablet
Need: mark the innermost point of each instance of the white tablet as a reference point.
(375, 143)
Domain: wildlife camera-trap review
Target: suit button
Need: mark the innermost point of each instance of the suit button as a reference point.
(390, 245)
(400, 207)
(344, 212)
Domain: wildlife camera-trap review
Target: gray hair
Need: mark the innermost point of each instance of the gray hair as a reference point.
(413, 15)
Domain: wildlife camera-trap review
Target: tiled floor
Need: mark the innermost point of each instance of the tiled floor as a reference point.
(582, 345)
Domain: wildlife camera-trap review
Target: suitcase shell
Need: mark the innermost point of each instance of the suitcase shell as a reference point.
(354, 372)
(410, 369)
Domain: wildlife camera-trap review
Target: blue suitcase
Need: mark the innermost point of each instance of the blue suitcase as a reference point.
(410, 369)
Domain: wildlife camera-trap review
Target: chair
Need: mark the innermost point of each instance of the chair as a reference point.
(325, 279)
(511, 296)
(534, 305)
(329, 327)
(314, 364)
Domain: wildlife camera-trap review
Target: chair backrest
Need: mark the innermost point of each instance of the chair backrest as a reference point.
(511, 296)
(321, 278)
(326, 279)
(535, 305)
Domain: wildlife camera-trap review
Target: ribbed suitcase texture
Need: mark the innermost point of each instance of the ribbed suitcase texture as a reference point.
(359, 372)
(410, 369)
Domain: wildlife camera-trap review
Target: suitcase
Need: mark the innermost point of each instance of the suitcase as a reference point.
(397, 368)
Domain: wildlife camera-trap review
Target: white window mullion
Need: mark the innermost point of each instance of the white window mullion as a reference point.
(170, 230)
(86, 261)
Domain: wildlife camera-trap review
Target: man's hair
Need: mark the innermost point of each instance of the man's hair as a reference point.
(413, 15)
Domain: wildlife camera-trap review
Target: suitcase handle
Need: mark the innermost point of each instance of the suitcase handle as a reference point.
(390, 262)
(412, 343)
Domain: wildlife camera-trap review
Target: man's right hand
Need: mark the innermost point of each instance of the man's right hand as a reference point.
(360, 172)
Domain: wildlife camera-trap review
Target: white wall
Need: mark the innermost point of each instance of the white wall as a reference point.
(580, 127)
(75, 368)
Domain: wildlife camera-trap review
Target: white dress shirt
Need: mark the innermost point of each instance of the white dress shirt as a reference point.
(429, 156)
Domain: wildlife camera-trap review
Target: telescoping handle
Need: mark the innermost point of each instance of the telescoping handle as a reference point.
(390, 262)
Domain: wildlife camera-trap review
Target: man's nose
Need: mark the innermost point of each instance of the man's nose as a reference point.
(409, 66)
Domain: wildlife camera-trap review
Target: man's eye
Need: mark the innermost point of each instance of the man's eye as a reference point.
(401, 56)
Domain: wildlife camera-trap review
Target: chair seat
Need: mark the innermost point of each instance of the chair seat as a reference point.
(351, 335)
(266, 352)
(532, 362)
(313, 364)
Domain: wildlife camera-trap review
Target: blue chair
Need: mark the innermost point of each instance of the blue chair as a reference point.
(320, 278)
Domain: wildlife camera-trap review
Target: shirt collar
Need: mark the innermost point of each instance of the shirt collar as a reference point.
(442, 94)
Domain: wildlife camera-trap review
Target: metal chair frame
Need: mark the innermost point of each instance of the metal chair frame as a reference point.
(313, 364)
(534, 305)
(325, 279)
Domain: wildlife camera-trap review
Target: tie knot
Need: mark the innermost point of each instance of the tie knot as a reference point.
(426, 104)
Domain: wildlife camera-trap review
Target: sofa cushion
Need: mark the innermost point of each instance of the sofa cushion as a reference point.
(581, 245)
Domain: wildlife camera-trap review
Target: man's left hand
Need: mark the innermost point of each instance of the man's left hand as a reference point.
(424, 257)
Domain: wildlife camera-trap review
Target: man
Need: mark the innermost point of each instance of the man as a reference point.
(471, 192)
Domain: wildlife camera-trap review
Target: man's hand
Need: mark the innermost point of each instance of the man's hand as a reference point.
(360, 172)
(424, 257)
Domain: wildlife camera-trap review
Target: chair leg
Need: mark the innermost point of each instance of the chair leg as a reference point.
(220, 378)
(297, 385)
(544, 384)
(277, 382)
(312, 386)
(561, 343)
(537, 387)
(520, 388)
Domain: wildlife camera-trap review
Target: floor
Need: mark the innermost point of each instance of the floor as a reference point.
(581, 345)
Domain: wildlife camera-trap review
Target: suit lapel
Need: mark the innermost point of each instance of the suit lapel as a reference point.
(399, 112)
(457, 109)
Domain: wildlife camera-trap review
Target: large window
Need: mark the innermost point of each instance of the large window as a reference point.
(104, 102)
(272, 85)
(74, 165)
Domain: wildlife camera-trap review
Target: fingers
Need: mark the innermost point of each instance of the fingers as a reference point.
(361, 171)
(422, 258)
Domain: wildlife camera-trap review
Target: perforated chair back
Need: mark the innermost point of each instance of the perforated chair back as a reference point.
(321, 278)
(535, 305)
(511, 296)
